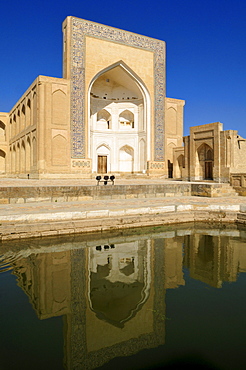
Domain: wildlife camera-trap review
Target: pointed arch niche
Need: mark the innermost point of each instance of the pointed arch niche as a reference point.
(126, 159)
(204, 159)
(119, 116)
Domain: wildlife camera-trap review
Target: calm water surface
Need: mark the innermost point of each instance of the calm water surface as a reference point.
(143, 299)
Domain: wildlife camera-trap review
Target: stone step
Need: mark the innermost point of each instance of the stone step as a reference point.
(228, 190)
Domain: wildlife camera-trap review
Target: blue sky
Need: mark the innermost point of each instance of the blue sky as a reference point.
(205, 40)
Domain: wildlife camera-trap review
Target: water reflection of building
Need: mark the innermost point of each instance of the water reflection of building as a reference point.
(119, 277)
(112, 302)
(124, 306)
(112, 295)
(45, 278)
(214, 259)
(173, 262)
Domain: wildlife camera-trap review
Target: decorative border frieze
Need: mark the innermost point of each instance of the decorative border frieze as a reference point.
(80, 29)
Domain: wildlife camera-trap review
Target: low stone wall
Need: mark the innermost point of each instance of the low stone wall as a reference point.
(27, 194)
(30, 194)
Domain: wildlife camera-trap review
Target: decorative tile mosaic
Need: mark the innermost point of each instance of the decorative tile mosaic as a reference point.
(82, 28)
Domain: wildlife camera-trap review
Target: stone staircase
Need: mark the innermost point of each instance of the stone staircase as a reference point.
(224, 190)
(212, 189)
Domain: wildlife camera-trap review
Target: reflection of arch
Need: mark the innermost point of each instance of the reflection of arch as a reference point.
(126, 157)
(119, 282)
(204, 266)
(2, 161)
(205, 161)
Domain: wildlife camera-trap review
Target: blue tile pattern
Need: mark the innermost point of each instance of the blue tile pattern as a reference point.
(81, 28)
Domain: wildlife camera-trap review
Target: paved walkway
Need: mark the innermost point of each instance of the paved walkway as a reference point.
(87, 205)
(114, 204)
(7, 182)
(86, 210)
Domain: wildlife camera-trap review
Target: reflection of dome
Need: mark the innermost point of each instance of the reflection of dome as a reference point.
(115, 302)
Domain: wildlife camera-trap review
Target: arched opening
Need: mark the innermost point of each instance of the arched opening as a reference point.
(119, 102)
(170, 169)
(103, 159)
(13, 160)
(126, 120)
(34, 152)
(2, 161)
(171, 119)
(59, 150)
(2, 130)
(170, 148)
(28, 113)
(23, 157)
(28, 154)
(205, 162)
(104, 121)
(23, 117)
(34, 109)
(17, 162)
(126, 159)
(14, 125)
(181, 165)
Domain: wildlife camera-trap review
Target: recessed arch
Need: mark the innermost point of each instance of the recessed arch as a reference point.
(204, 162)
(119, 100)
(126, 119)
(2, 129)
(2, 161)
(103, 158)
(22, 157)
(104, 119)
(126, 158)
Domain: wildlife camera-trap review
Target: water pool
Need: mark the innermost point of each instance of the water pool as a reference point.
(137, 300)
